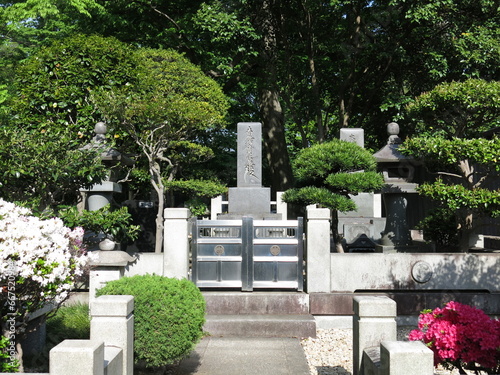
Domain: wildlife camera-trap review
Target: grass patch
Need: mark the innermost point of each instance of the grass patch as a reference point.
(70, 322)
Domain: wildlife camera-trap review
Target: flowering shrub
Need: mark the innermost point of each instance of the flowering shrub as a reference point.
(40, 260)
(461, 336)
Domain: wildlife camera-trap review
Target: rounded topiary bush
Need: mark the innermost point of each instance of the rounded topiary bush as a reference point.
(168, 316)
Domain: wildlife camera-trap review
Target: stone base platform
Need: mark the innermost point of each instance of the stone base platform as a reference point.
(259, 314)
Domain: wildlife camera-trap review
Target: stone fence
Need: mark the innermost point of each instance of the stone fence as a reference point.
(375, 349)
(110, 350)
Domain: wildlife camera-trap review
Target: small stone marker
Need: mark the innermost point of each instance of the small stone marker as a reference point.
(354, 135)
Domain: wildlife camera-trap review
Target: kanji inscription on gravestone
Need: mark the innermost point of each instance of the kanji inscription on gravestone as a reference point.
(249, 164)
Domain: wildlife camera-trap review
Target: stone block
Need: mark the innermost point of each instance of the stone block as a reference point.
(374, 321)
(318, 245)
(249, 200)
(100, 276)
(77, 357)
(176, 243)
(120, 305)
(403, 357)
(113, 359)
(374, 307)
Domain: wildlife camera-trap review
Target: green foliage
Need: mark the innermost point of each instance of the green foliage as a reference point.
(42, 169)
(115, 224)
(6, 362)
(458, 197)
(353, 183)
(328, 172)
(457, 109)
(317, 195)
(439, 152)
(170, 106)
(316, 163)
(54, 85)
(440, 227)
(168, 316)
(465, 167)
(198, 191)
(199, 188)
(69, 322)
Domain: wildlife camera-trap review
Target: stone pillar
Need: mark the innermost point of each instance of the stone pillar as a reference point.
(318, 250)
(113, 322)
(374, 321)
(82, 357)
(100, 275)
(176, 243)
(215, 207)
(281, 206)
(405, 358)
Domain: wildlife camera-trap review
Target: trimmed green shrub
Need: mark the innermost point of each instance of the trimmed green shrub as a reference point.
(168, 316)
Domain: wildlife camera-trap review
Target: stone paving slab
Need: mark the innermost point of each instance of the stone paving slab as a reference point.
(246, 356)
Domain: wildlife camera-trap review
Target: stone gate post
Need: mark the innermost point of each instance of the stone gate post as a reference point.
(318, 250)
(374, 321)
(176, 243)
(113, 322)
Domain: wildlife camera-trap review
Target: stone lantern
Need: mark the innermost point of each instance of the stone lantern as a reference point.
(398, 171)
(99, 195)
(108, 265)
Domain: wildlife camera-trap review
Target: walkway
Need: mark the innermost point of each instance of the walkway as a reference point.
(246, 356)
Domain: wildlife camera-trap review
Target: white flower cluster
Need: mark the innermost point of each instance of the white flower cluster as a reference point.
(44, 252)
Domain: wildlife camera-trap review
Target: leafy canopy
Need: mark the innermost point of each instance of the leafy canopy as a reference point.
(457, 109)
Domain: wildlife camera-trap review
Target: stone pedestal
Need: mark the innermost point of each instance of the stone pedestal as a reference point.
(108, 266)
(249, 200)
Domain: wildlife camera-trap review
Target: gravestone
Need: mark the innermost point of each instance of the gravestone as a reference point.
(249, 198)
(367, 218)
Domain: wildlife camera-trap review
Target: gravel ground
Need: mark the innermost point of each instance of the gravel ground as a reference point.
(330, 353)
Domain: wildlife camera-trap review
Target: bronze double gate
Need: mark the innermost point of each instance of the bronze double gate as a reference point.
(248, 254)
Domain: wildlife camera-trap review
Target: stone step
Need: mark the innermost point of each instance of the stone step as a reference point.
(256, 303)
(261, 325)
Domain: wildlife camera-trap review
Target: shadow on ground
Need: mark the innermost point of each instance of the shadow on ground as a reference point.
(332, 370)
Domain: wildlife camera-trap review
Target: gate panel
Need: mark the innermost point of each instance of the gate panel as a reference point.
(248, 254)
(278, 254)
(217, 253)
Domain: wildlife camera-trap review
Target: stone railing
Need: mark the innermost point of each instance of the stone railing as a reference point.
(375, 349)
(110, 350)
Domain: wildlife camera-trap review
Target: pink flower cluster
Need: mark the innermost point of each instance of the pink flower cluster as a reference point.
(461, 334)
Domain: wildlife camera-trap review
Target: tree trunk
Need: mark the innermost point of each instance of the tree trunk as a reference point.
(274, 140)
(270, 106)
(160, 191)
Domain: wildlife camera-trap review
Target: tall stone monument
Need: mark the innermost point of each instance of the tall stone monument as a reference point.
(249, 198)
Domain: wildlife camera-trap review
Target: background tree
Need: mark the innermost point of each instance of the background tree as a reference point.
(50, 118)
(170, 105)
(328, 173)
(325, 65)
(42, 170)
(466, 168)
